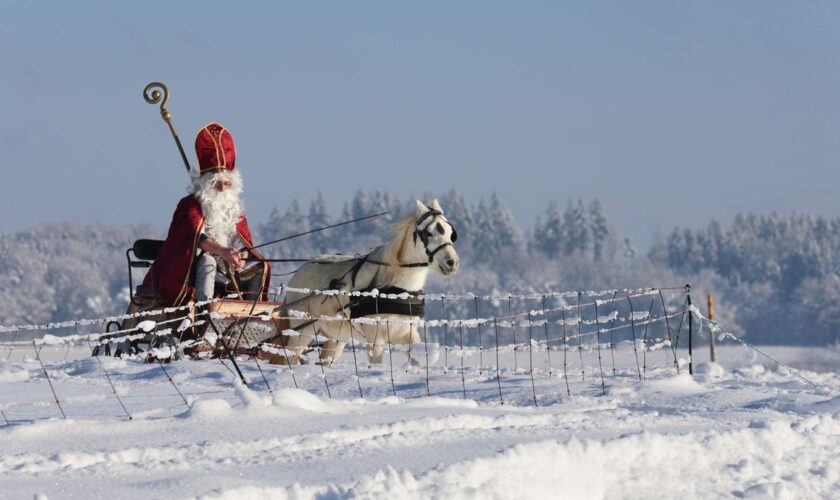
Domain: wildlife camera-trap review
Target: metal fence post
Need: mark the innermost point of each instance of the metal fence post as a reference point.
(711, 316)
(690, 330)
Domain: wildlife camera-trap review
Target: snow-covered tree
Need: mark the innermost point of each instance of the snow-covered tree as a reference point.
(602, 237)
(776, 276)
(499, 235)
(549, 235)
(577, 237)
(63, 271)
(319, 217)
(284, 224)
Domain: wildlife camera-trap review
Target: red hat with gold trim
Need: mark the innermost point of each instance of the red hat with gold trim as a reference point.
(215, 149)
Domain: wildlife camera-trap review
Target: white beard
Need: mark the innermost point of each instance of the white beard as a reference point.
(222, 210)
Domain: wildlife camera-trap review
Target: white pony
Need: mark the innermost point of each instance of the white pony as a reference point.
(421, 241)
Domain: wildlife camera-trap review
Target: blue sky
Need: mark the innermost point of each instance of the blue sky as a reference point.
(668, 112)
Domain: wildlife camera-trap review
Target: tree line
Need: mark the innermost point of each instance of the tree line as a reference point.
(776, 278)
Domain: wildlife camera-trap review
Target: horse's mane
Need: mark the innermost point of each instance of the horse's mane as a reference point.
(402, 232)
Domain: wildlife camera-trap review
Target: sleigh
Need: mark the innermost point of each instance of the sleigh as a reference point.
(422, 240)
(223, 327)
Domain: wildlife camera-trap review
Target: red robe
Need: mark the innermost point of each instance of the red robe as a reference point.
(170, 272)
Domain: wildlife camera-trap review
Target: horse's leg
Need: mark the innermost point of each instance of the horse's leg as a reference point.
(331, 351)
(413, 342)
(375, 353)
(333, 347)
(307, 338)
(410, 337)
(299, 343)
(411, 359)
(375, 338)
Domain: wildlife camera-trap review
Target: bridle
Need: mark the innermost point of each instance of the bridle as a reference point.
(424, 233)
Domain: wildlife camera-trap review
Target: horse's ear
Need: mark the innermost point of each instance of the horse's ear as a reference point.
(421, 208)
(436, 205)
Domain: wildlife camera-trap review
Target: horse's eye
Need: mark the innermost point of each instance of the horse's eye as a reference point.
(440, 228)
(454, 236)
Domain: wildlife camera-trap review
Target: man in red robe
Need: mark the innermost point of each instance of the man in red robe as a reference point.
(209, 242)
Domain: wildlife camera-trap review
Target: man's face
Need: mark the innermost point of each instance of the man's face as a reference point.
(221, 185)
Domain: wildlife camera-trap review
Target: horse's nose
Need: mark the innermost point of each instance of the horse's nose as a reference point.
(450, 263)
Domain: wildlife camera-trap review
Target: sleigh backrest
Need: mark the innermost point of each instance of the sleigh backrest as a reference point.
(144, 252)
(146, 249)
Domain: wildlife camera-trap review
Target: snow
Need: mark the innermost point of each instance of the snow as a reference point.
(739, 427)
(14, 374)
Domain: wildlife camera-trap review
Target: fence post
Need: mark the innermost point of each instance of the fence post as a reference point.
(690, 330)
(711, 316)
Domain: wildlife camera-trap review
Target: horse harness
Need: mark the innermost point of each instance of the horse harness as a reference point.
(423, 234)
(361, 306)
(410, 305)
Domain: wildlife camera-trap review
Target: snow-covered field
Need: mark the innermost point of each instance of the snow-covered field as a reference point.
(741, 428)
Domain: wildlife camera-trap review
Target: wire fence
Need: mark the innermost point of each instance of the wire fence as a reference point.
(508, 349)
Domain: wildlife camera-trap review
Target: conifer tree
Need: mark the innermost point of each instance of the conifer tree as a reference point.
(550, 235)
(576, 237)
(319, 217)
(600, 230)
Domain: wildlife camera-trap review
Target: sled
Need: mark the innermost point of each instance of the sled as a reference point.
(224, 326)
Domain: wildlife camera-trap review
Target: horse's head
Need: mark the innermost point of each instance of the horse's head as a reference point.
(437, 235)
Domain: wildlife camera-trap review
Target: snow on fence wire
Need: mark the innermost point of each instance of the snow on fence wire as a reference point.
(506, 344)
(74, 323)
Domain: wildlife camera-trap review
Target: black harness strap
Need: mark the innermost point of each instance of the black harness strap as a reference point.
(361, 260)
(361, 306)
(354, 271)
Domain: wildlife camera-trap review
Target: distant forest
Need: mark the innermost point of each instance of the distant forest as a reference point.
(775, 278)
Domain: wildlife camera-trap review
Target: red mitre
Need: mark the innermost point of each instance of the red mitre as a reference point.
(215, 149)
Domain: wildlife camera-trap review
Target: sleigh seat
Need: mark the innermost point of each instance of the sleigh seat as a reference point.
(142, 298)
(141, 256)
